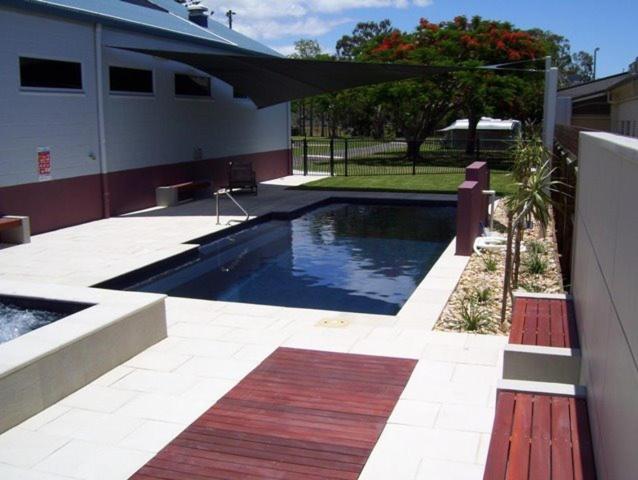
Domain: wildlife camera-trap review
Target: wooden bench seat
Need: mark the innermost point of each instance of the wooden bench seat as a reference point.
(540, 437)
(9, 223)
(543, 322)
(169, 195)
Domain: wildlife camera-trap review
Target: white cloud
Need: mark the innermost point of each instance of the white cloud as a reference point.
(288, 18)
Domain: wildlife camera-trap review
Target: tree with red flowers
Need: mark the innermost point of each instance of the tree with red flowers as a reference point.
(417, 107)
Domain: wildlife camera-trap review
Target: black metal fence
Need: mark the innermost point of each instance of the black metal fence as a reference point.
(355, 157)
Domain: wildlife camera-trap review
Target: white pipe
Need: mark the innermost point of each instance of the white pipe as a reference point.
(101, 130)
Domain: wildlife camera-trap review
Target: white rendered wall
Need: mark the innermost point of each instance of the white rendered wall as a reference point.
(65, 122)
(140, 131)
(162, 129)
(605, 289)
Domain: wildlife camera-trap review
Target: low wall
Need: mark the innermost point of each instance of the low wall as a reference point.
(605, 287)
(62, 203)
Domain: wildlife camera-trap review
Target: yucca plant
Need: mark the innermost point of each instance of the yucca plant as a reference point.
(473, 315)
(531, 199)
(535, 263)
(483, 295)
(490, 262)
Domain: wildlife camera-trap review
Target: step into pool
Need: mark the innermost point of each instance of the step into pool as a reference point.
(352, 257)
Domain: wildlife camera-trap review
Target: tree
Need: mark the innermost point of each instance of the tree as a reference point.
(417, 107)
(350, 47)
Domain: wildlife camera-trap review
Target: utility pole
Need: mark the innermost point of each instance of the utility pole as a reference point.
(230, 14)
(595, 58)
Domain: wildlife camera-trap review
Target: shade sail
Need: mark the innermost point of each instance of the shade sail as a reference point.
(269, 80)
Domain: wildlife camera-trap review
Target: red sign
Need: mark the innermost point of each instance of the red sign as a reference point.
(44, 163)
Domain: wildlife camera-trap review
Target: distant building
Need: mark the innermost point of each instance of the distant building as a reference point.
(607, 104)
(89, 128)
(623, 99)
(489, 131)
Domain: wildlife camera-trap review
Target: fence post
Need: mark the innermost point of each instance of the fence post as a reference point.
(345, 156)
(332, 156)
(305, 156)
(415, 154)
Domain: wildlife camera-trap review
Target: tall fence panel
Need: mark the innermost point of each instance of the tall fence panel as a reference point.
(356, 157)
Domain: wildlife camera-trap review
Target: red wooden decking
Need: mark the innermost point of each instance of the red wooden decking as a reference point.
(540, 437)
(301, 414)
(543, 322)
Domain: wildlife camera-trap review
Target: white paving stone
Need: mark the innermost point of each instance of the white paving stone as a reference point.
(24, 448)
(90, 461)
(439, 428)
(151, 436)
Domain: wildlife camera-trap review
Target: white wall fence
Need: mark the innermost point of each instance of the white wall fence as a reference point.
(605, 289)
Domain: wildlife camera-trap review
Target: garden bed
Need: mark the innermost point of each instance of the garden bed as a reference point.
(482, 281)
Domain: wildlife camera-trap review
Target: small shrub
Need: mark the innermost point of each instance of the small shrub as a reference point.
(483, 295)
(473, 315)
(531, 287)
(490, 262)
(535, 264)
(536, 247)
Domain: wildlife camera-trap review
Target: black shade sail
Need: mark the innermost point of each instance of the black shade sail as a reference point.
(269, 80)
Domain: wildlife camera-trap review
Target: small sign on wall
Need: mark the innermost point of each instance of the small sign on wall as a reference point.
(44, 163)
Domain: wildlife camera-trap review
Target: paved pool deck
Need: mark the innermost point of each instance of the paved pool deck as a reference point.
(439, 429)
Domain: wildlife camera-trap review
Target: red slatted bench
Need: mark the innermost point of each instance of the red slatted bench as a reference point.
(543, 322)
(540, 437)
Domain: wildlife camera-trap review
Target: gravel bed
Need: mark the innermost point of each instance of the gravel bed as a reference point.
(477, 279)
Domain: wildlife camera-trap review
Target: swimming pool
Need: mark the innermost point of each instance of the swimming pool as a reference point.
(354, 257)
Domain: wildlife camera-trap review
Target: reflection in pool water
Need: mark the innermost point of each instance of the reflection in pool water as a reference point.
(348, 257)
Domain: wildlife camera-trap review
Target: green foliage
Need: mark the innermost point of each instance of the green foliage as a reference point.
(535, 263)
(483, 295)
(490, 262)
(473, 315)
(531, 286)
(537, 247)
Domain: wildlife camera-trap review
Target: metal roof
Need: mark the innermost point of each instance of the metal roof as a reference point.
(170, 19)
(595, 87)
(485, 123)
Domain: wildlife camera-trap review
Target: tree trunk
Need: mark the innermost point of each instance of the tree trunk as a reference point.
(517, 253)
(414, 147)
(508, 266)
(470, 146)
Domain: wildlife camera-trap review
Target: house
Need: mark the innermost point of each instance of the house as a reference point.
(590, 105)
(492, 132)
(89, 129)
(623, 100)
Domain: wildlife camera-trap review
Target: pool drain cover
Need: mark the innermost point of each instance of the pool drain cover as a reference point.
(333, 322)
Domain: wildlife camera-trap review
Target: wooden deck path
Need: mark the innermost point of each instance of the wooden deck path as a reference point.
(301, 414)
(543, 322)
(540, 437)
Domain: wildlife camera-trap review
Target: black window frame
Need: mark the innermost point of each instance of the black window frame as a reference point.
(192, 94)
(131, 91)
(52, 83)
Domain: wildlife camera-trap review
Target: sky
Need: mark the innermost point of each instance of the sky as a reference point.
(610, 25)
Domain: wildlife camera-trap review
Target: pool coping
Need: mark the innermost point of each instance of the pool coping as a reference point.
(45, 365)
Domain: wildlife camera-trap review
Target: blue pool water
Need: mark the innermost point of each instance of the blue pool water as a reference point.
(349, 257)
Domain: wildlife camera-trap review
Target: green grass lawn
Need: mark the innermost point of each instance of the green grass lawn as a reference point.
(422, 183)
